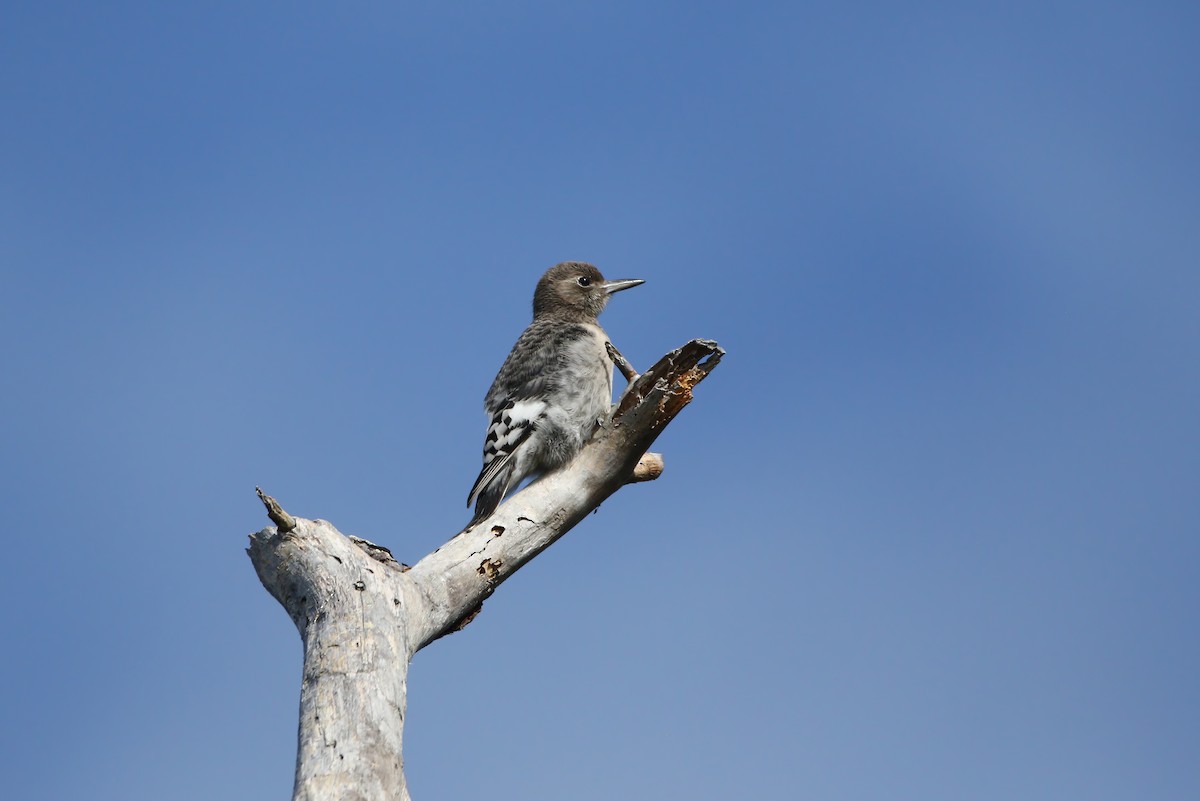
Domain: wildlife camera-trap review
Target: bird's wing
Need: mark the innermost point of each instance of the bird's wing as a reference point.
(511, 426)
(534, 368)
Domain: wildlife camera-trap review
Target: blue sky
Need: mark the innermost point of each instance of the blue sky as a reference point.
(928, 532)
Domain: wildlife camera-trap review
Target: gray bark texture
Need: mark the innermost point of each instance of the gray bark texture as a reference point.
(362, 615)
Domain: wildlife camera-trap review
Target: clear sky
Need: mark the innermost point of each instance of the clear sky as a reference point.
(929, 531)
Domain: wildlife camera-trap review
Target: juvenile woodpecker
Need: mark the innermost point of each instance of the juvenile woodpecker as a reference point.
(554, 387)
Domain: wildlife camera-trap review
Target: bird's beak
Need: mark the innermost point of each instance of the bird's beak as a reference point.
(623, 283)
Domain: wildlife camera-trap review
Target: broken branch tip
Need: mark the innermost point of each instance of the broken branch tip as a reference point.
(282, 520)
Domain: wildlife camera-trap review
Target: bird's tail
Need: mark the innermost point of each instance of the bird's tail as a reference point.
(489, 497)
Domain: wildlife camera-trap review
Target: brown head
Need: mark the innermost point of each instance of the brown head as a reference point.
(574, 290)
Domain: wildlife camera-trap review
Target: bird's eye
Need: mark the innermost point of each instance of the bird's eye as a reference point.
(585, 281)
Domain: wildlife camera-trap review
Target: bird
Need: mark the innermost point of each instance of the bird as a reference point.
(554, 387)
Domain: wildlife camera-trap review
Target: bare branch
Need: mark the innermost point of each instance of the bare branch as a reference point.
(621, 363)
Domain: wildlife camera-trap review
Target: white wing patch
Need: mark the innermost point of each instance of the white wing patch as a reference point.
(511, 425)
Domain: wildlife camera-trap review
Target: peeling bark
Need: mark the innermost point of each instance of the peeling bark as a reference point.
(362, 615)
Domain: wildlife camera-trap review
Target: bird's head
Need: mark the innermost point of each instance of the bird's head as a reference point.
(574, 289)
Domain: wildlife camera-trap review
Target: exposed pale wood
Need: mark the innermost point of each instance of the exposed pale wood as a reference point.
(350, 610)
(362, 615)
(648, 468)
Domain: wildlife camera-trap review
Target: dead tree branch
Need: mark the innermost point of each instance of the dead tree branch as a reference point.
(362, 615)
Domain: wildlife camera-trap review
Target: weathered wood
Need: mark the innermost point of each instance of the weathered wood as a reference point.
(362, 615)
(648, 468)
(350, 609)
(280, 518)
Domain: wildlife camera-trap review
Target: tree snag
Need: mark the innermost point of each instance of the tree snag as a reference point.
(362, 615)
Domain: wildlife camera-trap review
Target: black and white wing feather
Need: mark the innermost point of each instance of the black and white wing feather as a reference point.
(512, 424)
